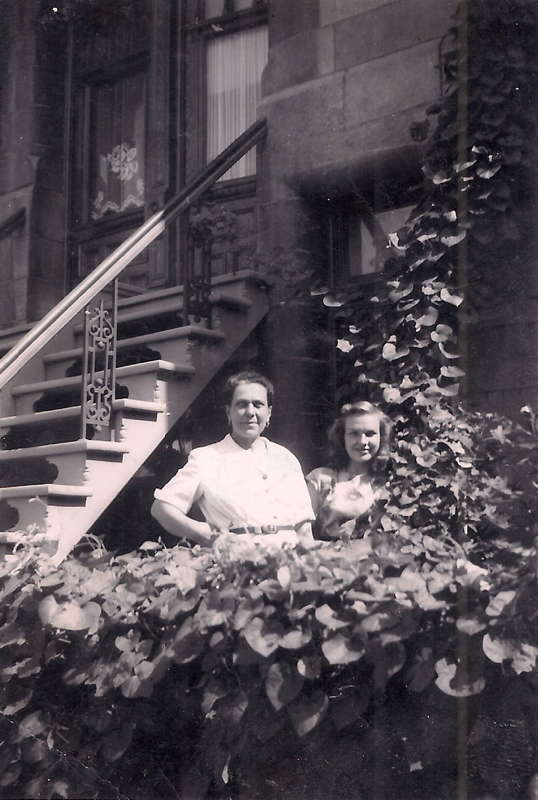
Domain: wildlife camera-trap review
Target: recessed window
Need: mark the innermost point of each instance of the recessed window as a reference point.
(357, 238)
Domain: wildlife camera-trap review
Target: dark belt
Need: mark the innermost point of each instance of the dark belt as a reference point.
(262, 528)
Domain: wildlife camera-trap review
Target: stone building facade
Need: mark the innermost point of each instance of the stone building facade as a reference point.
(92, 90)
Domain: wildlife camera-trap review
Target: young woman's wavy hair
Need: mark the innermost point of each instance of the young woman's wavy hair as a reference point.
(338, 456)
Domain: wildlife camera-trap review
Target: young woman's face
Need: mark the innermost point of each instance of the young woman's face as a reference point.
(362, 438)
(248, 413)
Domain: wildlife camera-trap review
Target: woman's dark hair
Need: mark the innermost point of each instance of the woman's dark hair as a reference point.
(337, 451)
(249, 376)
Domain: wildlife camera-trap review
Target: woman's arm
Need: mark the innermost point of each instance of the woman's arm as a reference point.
(179, 524)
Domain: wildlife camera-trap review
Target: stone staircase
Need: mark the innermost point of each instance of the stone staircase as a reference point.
(52, 478)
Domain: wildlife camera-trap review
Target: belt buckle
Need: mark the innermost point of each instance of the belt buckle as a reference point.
(269, 528)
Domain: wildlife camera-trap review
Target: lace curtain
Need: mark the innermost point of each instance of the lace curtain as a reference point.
(234, 66)
(118, 144)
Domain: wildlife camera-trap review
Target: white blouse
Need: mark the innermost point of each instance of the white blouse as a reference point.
(235, 487)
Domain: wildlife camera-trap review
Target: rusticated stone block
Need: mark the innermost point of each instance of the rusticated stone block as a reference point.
(390, 84)
(331, 11)
(390, 28)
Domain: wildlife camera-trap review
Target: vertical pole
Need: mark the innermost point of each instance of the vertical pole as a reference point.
(85, 367)
(187, 270)
(463, 144)
(114, 337)
(207, 249)
(68, 89)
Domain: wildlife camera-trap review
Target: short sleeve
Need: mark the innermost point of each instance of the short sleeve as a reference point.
(183, 489)
(319, 482)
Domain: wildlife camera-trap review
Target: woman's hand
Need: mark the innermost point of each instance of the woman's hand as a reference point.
(304, 533)
(349, 499)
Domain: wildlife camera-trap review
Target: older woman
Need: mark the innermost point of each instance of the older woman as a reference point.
(245, 483)
(346, 490)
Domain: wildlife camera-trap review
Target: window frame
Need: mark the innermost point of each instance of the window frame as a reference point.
(197, 31)
(336, 229)
(84, 88)
(152, 46)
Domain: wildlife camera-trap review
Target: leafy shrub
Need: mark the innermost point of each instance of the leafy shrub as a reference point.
(165, 671)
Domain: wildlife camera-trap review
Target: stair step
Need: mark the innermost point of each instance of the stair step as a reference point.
(164, 368)
(169, 304)
(46, 490)
(231, 302)
(175, 343)
(138, 407)
(94, 449)
(183, 332)
(142, 389)
(62, 462)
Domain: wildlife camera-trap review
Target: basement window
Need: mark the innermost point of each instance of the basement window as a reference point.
(357, 237)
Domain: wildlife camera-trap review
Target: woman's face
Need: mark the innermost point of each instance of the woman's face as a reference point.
(248, 413)
(362, 438)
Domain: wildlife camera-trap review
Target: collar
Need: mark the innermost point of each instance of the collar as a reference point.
(259, 446)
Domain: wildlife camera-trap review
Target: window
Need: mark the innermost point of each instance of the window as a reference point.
(117, 141)
(110, 71)
(234, 66)
(226, 50)
(357, 237)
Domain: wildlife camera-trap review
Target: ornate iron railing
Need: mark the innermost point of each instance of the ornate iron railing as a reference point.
(99, 363)
(100, 329)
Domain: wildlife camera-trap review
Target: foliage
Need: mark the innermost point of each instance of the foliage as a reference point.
(180, 669)
(458, 478)
(164, 670)
(467, 237)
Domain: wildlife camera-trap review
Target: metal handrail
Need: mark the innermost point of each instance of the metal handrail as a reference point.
(109, 269)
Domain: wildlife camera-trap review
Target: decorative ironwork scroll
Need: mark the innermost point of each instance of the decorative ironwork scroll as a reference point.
(206, 225)
(99, 363)
(197, 286)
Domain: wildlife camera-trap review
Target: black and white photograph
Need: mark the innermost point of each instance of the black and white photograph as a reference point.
(268, 400)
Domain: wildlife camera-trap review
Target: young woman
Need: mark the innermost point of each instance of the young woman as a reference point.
(345, 491)
(245, 483)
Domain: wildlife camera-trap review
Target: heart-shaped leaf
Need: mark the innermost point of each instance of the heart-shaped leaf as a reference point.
(455, 682)
(391, 353)
(453, 299)
(328, 618)
(350, 706)
(498, 603)
(295, 639)
(260, 637)
(340, 649)
(282, 684)
(69, 616)
(452, 372)
(306, 713)
(309, 667)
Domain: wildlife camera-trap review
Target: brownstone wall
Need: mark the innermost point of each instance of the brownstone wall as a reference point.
(345, 80)
(31, 169)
